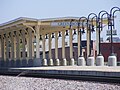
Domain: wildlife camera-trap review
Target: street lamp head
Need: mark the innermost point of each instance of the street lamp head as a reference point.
(74, 32)
(60, 34)
(46, 37)
(40, 37)
(83, 31)
(93, 29)
(52, 35)
(66, 33)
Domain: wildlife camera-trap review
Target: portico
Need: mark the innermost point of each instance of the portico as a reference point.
(20, 41)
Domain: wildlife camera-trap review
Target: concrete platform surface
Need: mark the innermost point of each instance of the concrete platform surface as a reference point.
(75, 68)
(101, 73)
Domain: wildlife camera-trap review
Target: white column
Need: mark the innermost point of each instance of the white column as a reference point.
(99, 58)
(37, 43)
(37, 60)
(43, 42)
(7, 47)
(50, 57)
(78, 43)
(88, 46)
(30, 43)
(23, 45)
(63, 49)
(30, 47)
(18, 61)
(90, 59)
(2, 49)
(24, 60)
(56, 49)
(71, 48)
(97, 40)
(44, 57)
(50, 53)
(81, 59)
(12, 46)
(27, 45)
(12, 49)
(33, 37)
(15, 47)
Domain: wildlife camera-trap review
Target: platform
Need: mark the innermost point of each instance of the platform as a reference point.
(73, 70)
(77, 72)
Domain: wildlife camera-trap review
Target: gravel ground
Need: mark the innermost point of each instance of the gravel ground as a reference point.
(27, 83)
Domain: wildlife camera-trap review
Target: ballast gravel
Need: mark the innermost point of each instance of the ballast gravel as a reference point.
(29, 83)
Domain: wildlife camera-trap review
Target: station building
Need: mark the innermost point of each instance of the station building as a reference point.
(20, 41)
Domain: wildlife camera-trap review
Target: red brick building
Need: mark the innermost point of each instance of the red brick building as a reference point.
(106, 50)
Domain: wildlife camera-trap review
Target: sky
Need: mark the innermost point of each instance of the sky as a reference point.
(41, 9)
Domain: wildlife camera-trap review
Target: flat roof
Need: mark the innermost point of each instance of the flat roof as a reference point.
(33, 19)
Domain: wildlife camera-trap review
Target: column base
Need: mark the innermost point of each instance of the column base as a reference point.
(112, 60)
(24, 63)
(57, 62)
(30, 63)
(99, 60)
(64, 63)
(18, 63)
(51, 62)
(72, 62)
(90, 61)
(81, 61)
(44, 62)
(37, 62)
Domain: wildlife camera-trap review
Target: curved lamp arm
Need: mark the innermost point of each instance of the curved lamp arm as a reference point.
(80, 20)
(108, 16)
(113, 17)
(92, 19)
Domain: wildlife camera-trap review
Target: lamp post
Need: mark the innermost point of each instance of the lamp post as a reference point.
(81, 32)
(90, 27)
(81, 59)
(100, 19)
(112, 26)
(85, 19)
(100, 58)
(112, 59)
